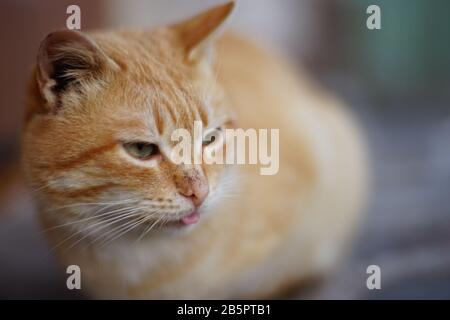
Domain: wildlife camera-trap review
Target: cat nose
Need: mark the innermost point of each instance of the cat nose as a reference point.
(195, 189)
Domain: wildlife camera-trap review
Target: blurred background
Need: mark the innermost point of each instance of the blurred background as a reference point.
(397, 81)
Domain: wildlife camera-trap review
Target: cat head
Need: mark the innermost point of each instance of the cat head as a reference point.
(102, 109)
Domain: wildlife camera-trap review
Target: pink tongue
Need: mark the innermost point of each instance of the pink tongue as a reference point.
(191, 219)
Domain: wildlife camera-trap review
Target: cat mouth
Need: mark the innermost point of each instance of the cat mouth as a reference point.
(188, 219)
(191, 218)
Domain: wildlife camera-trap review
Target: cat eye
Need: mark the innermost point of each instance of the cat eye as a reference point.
(141, 150)
(211, 137)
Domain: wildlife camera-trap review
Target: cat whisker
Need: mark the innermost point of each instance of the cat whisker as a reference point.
(122, 230)
(102, 224)
(46, 185)
(134, 213)
(93, 204)
(148, 229)
(95, 216)
(101, 227)
(117, 236)
(115, 229)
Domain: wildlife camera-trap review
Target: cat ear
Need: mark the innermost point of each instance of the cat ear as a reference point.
(198, 33)
(66, 58)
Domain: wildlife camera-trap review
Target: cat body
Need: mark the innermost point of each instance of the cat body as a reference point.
(256, 235)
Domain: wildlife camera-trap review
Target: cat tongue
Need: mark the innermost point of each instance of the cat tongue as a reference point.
(191, 218)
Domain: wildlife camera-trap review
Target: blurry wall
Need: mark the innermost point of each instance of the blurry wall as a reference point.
(292, 25)
(408, 59)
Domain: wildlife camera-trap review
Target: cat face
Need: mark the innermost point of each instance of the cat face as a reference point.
(98, 136)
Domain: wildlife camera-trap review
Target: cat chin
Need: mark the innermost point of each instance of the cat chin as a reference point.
(177, 230)
(170, 231)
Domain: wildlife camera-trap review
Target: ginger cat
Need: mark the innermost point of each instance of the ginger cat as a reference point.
(96, 145)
